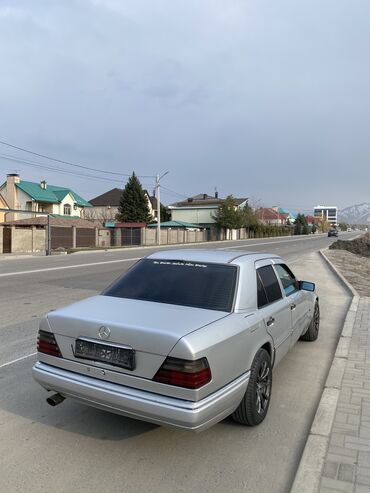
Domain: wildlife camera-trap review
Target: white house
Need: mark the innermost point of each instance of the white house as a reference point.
(200, 209)
(40, 197)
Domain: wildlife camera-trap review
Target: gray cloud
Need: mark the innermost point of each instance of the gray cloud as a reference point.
(259, 98)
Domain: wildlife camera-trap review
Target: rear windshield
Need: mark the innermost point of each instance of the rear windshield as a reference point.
(201, 285)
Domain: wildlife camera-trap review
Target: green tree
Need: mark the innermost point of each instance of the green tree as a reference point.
(301, 225)
(133, 206)
(322, 224)
(343, 226)
(305, 227)
(249, 217)
(165, 215)
(228, 216)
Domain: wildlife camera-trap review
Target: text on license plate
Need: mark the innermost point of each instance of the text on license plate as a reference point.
(113, 355)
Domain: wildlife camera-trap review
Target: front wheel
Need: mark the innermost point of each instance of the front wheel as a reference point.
(312, 332)
(255, 403)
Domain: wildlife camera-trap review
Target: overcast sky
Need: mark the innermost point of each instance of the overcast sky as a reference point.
(260, 98)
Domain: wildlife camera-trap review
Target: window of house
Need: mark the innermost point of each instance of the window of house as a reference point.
(67, 210)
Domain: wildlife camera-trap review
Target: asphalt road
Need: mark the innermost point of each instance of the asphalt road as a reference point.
(77, 448)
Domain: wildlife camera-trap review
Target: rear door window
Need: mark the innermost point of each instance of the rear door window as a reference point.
(270, 284)
(261, 293)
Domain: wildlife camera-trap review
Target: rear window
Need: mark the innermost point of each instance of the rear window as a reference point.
(201, 285)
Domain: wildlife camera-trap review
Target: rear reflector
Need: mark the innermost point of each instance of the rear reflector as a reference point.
(184, 373)
(47, 344)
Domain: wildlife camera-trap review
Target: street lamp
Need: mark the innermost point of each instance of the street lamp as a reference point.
(158, 188)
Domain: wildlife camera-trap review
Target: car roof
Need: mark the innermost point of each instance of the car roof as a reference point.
(216, 256)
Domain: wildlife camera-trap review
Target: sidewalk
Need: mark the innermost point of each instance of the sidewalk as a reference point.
(336, 457)
(347, 462)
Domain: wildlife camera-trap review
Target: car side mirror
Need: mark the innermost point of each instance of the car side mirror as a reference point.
(306, 286)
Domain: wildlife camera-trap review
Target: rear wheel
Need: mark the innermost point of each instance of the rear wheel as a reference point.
(254, 406)
(312, 332)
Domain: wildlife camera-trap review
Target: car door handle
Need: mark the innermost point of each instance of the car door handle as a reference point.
(293, 307)
(270, 321)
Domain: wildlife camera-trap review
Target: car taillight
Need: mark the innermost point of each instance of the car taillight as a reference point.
(184, 373)
(47, 344)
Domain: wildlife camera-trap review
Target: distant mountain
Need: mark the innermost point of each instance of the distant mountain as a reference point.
(355, 214)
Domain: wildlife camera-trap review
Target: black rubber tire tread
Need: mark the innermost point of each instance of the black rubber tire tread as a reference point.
(312, 333)
(246, 413)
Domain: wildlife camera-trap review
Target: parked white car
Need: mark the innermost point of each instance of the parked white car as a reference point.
(184, 338)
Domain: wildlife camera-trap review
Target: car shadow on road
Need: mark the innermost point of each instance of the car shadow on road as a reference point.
(21, 395)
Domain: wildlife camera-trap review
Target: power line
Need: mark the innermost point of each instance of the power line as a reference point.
(69, 163)
(56, 170)
(173, 192)
(36, 164)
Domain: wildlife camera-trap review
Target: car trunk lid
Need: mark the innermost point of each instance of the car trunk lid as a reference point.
(145, 326)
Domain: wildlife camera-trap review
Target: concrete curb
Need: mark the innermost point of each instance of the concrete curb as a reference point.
(308, 475)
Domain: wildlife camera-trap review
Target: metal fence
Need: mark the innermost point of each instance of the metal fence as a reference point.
(42, 237)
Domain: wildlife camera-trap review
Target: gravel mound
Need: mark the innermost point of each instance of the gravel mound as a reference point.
(358, 246)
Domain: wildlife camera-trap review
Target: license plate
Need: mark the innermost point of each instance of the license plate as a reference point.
(105, 353)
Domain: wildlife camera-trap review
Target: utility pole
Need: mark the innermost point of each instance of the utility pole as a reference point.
(48, 249)
(158, 188)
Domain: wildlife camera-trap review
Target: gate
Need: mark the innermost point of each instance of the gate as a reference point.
(85, 237)
(7, 240)
(61, 237)
(130, 236)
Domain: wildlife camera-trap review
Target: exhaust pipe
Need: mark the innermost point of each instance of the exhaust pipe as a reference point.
(55, 399)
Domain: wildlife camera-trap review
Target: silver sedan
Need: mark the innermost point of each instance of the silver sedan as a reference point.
(184, 338)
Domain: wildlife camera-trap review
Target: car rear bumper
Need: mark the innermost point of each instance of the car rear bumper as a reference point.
(139, 404)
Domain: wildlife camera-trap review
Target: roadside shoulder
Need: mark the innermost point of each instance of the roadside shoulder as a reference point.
(309, 473)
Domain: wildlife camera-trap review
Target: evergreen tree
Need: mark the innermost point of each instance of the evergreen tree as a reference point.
(301, 225)
(133, 206)
(305, 228)
(298, 225)
(165, 215)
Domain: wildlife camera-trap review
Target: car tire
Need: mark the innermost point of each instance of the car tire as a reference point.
(312, 332)
(254, 406)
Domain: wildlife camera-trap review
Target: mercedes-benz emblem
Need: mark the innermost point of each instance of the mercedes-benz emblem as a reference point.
(104, 332)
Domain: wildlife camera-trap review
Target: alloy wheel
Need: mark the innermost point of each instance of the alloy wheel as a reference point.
(263, 387)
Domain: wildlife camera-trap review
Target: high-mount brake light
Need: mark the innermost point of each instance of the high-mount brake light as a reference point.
(47, 344)
(184, 373)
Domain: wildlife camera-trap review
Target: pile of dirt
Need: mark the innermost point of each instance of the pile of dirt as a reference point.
(358, 246)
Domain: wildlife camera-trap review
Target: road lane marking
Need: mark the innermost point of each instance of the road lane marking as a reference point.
(18, 359)
(48, 269)
(268, 243)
